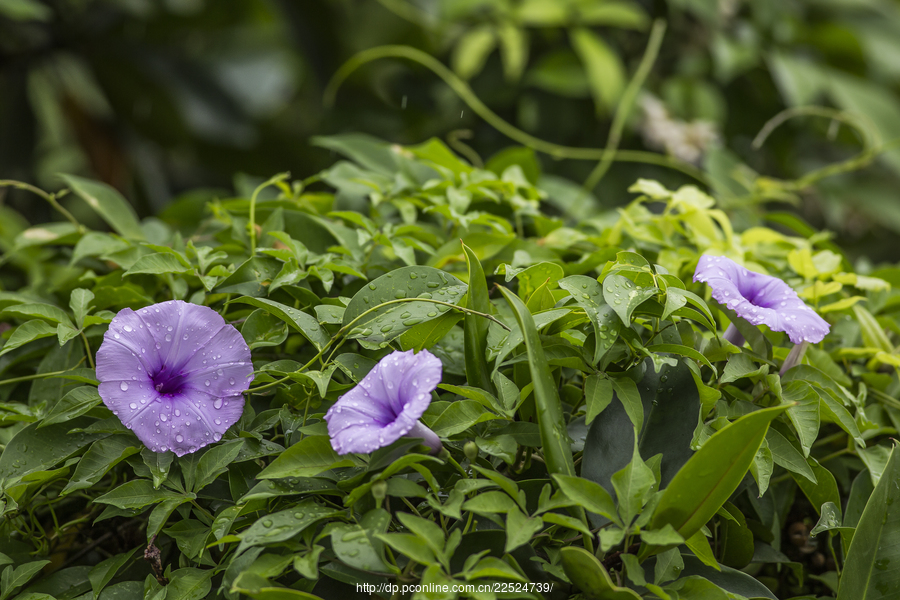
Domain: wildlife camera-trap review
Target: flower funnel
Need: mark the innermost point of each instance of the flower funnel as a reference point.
(761, 299)
(386, 405)
(175, 374)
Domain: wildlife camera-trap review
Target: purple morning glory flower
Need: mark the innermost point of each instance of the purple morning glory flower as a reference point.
(760, 299)
(175, 374)
(386, 405)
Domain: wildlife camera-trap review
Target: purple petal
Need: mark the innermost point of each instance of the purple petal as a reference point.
(386, 404)
(761, 299)
(221, 366)
(174, 373)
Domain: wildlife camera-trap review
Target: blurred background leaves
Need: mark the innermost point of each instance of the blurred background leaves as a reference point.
(158, 98)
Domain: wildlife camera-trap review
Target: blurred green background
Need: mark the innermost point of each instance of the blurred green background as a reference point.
(162, 98)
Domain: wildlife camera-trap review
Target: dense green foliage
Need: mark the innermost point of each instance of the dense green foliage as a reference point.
(689, 458)
(157, 98)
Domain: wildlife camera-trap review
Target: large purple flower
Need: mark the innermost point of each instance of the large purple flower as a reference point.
(761, 299)
(386, 405)
(175, 374)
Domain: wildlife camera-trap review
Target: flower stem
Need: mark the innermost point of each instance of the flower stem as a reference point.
(429, 437)
(793, 358)
(623, 110)
(463, 90)
(733, 335)
(251, 223)
(51, 198)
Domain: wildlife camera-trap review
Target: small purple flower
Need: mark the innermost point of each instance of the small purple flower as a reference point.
(386, 405)
(760, 299)
(175, 374)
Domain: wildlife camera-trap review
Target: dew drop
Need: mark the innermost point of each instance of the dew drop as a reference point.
(206, 383)
(123, 386)
(128, 328)
(179, 438)
(217, 404)
(133, 405)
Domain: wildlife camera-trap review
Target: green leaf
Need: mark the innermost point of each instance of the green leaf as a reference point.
(786, 455)
(824, 490)
(588, 294)
(308, 457)
(557, 453)
(669, 566)
(590, 576)
(628, 394)
(634, 485)
(460, 416)
(34, 449)
(410, 545)
(109, 204)
(12, 579)
(425, 530)
(189, 583)
(476, 328)
(830, 520)
(520, 528)
(136, 494)
(624, 296)
(589, 495)
(306, 324)
(872, 333)
(805, 414)
(80, 303)
(472, 50)
(74, 404)
(214, 462)
(252, 278)
(280, 526)
(869, 572)
(159, 263)
(47, 312)
(428, 333)
(353, 547)
(159, 464)
(598, 393)
(28, 331)
(103, 572)
(706, 481)
(378, 317)
(102, 456)
(262, 329)
(605, 72)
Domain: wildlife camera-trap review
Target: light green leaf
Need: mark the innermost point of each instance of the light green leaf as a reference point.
(308, 457)
(109, 204)
(712, 474)
(605, 72)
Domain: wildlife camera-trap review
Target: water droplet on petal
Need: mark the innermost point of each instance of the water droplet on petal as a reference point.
(123, 386)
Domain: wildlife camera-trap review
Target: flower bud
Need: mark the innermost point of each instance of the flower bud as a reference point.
(471, 450)
(379, 490)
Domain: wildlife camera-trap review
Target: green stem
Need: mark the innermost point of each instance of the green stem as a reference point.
(463, 90)
(87, 350)
(626, 104)
(35, 376)
(251, 224)
(51, 198)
